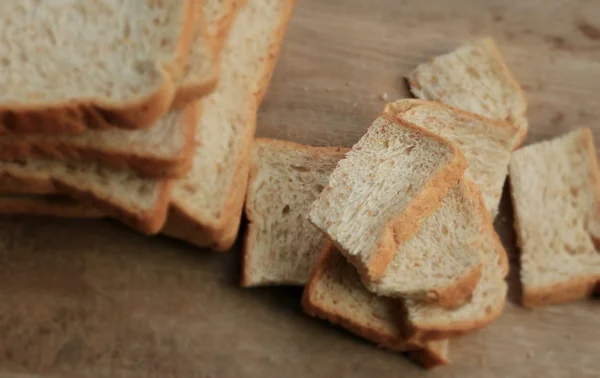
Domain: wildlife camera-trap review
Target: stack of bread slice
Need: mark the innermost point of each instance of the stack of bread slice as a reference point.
(146, 117)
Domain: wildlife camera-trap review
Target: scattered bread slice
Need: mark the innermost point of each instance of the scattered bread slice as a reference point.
(442, 263)
(207, 204)
(392, 179)
(555, 190)
(47, 205)
(475, 78)
(70, 66)
(163, 150)
(281, 245)
(335, 293)
(486, 143)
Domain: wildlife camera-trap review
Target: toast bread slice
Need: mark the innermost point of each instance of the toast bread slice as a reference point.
(486, 143)
(163, 150)
(557, 181)
(281, 245)
(476, 78)
(143, 47)
(334, 293)
(393, 178)
(207, 204)
(46, 205)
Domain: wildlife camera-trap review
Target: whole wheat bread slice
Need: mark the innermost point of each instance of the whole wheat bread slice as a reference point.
(162, 150)
(486, 143)
(376, 198)
(475, 78)
(555, 190)
(335, 293)
(281, 245)
(46, 205)
(441, 264)
(207, 204)
(70, 66)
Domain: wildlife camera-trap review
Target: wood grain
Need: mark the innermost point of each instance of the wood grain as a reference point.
(90, 298)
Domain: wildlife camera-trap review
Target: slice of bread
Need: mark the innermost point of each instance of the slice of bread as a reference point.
(555, 190)
(162, 150)
(46, 205)
(442, 263)
(112, 61)
(281, 245)
(426, 322)
(486, 143)
(392, 179)
(335, 293)
(207, 204)
(475, 78)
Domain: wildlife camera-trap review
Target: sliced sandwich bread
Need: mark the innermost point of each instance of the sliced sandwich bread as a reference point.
(486, 143)
(555, 190)
(207, 204)
(281, 245)
(475, 78)
(376, 198)
(46, 205)
(441, 264)
(335, 293)
(115, 62)
(165, 148)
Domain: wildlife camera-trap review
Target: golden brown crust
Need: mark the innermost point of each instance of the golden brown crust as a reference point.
(559, 293)
(93, 113)
(424, 204)
(434, 354)
(49, 205)
(461, 289)
(150, 166)
(147, 222)
(11, 183)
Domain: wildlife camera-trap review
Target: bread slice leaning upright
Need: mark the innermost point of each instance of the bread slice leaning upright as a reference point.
(335, 293)
(474, 77)
(393, 178)
(281, 245)
(112, 61)
(555, 189)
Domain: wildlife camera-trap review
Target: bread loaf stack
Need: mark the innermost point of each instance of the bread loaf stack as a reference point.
(143, 111)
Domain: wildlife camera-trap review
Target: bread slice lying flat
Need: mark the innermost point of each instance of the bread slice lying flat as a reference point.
(475, 78)
(207, 204)
(112, 61)
(486, 143)
(335, 293)
(426, 322)
(555, 193)
(376, 198)
(281, 245)
(441, 264)
(165, 148)
(47, 205)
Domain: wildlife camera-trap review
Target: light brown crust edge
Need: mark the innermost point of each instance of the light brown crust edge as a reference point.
(53, 205)
(252, 228)
(73, 117)
(15, 184)
(400, 229)
(434, 354)
(221, 235)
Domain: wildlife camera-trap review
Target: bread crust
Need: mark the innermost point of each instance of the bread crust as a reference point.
(431, 356)
(400, 229)
(220, 235)
(151, 166)
(73, 117)
(16, 184)
(52, 205)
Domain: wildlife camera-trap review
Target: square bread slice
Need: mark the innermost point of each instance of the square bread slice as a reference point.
(441, 264)
(46, 205)
(281, 245)
(207, 204)
(334, 293)
(486, 143)
(555, 192)
(393, 178)
(165, 148)
(475, 78)
(113, 61)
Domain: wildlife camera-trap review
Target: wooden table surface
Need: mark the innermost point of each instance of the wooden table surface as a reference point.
(91, 298)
